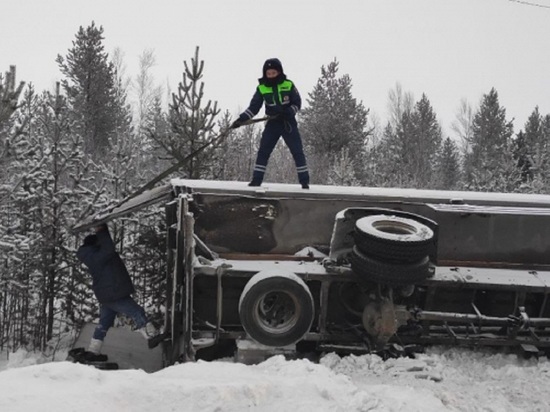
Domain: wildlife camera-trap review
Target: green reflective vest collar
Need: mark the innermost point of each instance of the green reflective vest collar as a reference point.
(285, 86)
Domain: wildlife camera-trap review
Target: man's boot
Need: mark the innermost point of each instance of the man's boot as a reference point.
(148, 331)
(152, 334)
(93, 353)
(255, 183)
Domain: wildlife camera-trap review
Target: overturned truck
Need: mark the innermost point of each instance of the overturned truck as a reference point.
(278, 269)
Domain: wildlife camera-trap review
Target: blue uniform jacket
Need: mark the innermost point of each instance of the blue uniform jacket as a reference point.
(284, 104)
(110, 278)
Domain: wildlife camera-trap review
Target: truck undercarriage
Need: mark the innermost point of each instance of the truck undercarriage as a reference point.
(351, 270)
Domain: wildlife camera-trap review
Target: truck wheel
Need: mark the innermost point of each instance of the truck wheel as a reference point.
(390, 273)
(276, 309)
(393, 238)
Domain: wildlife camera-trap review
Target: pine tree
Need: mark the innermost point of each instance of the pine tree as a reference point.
(10, 125)
(490, 166)
(192, 123)
(156, 128)
(531, 151)
(9, 95)
(407, 154)
(333, 121)
(422, 143)
(447, 167)
(343, 171)
(90, 88)
(386, 159)
(521, 155)
(237, 153)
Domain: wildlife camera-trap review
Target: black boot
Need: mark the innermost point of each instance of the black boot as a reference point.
(156, 340)
(305, 185)
(255, 183)
(92, 357)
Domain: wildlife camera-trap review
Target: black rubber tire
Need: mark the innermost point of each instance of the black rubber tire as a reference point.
(392, 238)
(276, 310)
(389, 273)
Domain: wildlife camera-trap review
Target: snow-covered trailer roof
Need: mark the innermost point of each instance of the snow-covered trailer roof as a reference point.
(474, 227)
(283, 190)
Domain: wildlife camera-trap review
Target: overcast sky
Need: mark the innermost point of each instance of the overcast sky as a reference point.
(448, 49)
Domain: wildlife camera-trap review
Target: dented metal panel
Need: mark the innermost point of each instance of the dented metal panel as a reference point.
(133, 204)
(475, 228)
(495, 230)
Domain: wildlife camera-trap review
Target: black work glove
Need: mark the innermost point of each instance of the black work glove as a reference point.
(239, 122)
(236, 123)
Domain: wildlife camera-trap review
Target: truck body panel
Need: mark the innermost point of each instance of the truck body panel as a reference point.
(486, 283)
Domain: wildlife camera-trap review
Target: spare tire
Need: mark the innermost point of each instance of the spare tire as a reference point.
(276, 309)
(389, 273)
(393, 238)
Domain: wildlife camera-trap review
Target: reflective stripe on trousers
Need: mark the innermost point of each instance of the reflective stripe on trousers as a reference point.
(288, 130)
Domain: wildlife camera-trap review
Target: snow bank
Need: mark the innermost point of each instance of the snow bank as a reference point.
(441, 380)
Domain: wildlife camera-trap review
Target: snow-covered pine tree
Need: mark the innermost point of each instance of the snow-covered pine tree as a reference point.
(531, 151)
(237, 153)
(422, 142)
(333, 121)
(343, 170)
(407, 154)
(385, 159)
(9, 95)
(192, 123)
(155, 125)
(447, 172)
(43, 203)
(490, 165)
(89, 84)
(16, 232)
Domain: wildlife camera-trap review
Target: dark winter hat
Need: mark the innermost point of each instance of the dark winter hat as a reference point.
(273, 64)
(90, 240)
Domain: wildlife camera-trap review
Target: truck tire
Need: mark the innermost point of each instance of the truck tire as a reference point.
(276, 309)
(393, 238)
(389, 273)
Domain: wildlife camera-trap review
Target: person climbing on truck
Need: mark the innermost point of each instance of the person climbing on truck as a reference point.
(282, 102)
(113, 288)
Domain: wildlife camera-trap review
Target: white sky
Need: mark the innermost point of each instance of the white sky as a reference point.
(450, 49)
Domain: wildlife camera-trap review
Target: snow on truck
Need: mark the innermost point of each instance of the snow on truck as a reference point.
(278, 269)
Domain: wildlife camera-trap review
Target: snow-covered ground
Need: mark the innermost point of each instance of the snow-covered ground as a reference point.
(439, 380)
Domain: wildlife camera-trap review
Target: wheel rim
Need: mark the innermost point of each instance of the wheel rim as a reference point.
(394, 228)
(277, 312)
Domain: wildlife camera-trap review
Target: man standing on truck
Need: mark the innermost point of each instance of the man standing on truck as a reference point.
(282, 102)
(113, 288)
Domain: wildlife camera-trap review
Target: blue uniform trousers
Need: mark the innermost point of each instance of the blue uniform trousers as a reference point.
(108, 312)
(274, 129)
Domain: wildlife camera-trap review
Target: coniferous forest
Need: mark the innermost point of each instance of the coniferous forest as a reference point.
(84, 146)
